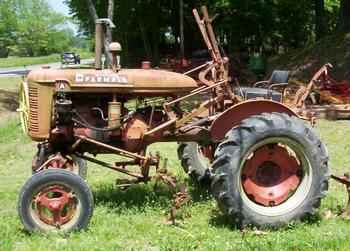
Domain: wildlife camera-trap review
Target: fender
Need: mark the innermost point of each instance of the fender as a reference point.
(237, 113)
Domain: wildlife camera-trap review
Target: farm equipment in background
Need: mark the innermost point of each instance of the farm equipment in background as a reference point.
(323, 96)
(266, 166)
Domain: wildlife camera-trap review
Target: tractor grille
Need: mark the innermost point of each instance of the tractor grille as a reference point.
(33, 109)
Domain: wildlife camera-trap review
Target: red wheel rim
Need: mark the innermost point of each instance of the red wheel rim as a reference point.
(55, 205)
(271, 175)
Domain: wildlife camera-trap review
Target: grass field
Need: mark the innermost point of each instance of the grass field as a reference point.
(23, 61)
(135, 219)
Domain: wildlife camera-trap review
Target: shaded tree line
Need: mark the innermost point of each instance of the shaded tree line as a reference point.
(149, 29)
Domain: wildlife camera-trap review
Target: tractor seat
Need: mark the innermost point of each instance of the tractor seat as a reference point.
(265, 90)
(255, 92)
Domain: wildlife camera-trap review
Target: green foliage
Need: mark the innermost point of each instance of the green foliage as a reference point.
(242, 24)
(37, 31)
(332, 5)
(7, 27)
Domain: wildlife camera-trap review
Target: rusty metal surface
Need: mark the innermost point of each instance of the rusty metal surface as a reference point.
(133, 133)
(304, 92)
(99, 40)
(125, 81)
(113, 149)
(61, 207)
(236, 114)
(180, 197)
(112, 167)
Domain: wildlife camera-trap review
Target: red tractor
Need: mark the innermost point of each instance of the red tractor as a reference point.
(265, 165)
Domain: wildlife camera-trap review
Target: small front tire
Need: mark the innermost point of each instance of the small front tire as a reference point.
(55, 200)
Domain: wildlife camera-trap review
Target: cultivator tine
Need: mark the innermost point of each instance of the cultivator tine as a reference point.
(179, 199)
(166, 178)
(345, 180)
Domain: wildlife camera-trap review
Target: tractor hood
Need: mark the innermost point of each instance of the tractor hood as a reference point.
(125, 81)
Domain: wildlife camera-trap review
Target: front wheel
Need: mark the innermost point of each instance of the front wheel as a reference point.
(270, 170)
(55, 200)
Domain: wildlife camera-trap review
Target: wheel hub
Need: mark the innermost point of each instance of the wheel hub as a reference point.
(271, 175)
(268, 173)
(55, 205)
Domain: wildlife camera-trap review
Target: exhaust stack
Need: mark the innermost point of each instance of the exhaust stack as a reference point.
(100, 39)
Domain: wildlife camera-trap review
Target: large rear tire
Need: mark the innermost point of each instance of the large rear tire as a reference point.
(269, 171)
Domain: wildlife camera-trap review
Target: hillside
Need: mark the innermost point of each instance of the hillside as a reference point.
(303, 63)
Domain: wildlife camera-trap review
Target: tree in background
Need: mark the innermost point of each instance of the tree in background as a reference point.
(8, 24)
(243, 25)
(320, 23)
(344, 16)
(31, 28)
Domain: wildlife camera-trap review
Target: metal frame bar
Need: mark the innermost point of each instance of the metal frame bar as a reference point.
(109, 166)
(112, 148)
(198, 68)
(166, 105)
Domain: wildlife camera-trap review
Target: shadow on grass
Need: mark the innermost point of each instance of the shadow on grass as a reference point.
(141, 195)
(223, 221)
(136, 196)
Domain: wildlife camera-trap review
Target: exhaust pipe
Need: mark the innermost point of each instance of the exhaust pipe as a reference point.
(100, 39)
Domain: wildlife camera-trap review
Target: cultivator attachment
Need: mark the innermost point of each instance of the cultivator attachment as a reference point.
(345, 180)
(180, 197)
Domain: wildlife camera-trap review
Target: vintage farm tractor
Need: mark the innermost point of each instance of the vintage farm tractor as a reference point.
(266, 166)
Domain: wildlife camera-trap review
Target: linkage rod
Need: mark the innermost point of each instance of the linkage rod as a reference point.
(112, 148)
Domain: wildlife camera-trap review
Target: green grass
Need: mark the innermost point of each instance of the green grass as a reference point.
(135, 219)
(23, 61)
